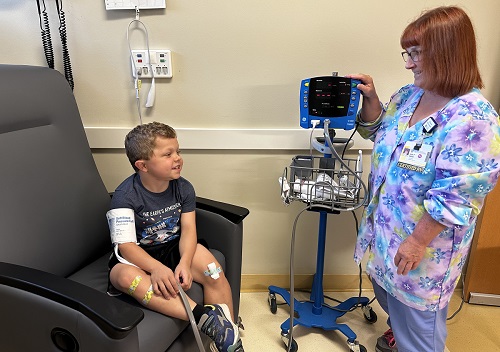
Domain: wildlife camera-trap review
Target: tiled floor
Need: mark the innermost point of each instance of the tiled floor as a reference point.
(475, 328)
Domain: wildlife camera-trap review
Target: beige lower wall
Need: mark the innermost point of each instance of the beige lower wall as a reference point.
(256, 283)
(260, 283)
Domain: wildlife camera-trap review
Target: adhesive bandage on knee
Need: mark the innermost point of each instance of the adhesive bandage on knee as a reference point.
(213, 271)
(134, 285)
(148, 295)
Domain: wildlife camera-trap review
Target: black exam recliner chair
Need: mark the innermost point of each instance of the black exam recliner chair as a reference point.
(54, 235)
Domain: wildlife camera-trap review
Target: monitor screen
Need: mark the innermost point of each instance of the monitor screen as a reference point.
(329, 97)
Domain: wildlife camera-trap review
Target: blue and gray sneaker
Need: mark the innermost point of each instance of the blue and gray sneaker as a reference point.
(217, 325)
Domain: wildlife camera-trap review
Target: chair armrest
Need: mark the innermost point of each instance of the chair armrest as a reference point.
(221, 225)
(233, 213)
(114, 317)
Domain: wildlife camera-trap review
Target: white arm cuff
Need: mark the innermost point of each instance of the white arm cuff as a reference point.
(121, 222)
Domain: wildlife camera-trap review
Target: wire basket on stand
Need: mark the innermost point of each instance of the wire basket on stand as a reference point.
(326, 182)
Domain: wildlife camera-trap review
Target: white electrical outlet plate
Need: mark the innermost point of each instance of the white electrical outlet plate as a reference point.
(132, 4)
(161, 63)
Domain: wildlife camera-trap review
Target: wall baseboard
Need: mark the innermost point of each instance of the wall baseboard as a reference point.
(484, 298)
(256, 283)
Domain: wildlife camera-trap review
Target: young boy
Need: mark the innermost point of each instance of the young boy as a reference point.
(162, 249)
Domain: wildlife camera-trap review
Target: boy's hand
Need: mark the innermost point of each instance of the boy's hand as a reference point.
(183, 275)
(163, 281)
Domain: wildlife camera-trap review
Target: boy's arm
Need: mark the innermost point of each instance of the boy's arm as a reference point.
(162, 277)
(187, 248)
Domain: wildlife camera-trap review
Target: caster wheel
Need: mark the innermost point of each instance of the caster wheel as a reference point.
(294, 347)
(356, 347)
(369, 314)
(361, 349)
(272, 303)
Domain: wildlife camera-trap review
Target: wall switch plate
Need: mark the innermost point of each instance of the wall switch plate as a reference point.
(161, 63)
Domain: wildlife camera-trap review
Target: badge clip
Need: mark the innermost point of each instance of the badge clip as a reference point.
(429, 125)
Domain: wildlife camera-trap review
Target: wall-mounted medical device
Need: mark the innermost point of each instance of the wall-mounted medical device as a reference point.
(329, 97)
(151, 63)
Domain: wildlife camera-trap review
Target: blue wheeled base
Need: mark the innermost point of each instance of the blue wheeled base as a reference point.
(314, 313)
(326, 319)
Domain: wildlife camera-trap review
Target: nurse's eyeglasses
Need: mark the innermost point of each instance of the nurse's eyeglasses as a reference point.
(414, 55)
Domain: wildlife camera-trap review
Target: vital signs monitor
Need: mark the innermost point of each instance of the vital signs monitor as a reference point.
(329, 97)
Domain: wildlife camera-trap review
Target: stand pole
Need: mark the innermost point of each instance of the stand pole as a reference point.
(317, 289)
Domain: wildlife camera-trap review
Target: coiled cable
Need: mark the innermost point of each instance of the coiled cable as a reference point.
(47, 41)
(68, 72)
(45, 31)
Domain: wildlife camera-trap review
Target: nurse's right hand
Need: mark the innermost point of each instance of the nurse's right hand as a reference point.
(367, 87)
(371, 107)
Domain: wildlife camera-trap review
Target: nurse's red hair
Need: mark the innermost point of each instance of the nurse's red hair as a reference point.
(449, 55)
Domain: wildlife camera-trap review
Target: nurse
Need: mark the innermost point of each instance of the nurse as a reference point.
(435, 157)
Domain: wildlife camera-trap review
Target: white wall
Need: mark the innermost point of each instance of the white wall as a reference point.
(237, 65)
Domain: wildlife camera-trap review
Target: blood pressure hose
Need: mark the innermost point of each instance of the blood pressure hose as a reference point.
(354, 173)
(292, 279)
(191, 318)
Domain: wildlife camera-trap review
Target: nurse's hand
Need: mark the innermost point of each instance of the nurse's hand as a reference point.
(409, 255)
(367, 87)
(371, 108)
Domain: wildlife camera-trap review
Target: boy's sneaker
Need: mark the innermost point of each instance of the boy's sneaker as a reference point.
(386, 342)
(239, 347)
(217, 325)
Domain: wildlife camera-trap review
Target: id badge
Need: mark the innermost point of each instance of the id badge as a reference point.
(414, 158)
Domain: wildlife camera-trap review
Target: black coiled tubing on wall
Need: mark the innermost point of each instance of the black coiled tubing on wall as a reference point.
(45, 30)
(47, 41)
(68, 73)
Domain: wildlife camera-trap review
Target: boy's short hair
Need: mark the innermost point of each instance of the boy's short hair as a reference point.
(140, 142)
(446, 36)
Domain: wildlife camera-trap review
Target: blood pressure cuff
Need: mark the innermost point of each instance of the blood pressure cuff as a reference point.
(121, 222)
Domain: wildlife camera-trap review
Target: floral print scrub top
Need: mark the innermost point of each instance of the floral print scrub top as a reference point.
(462, 167)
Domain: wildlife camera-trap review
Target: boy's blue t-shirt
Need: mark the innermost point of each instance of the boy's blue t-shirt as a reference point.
(157, 215)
